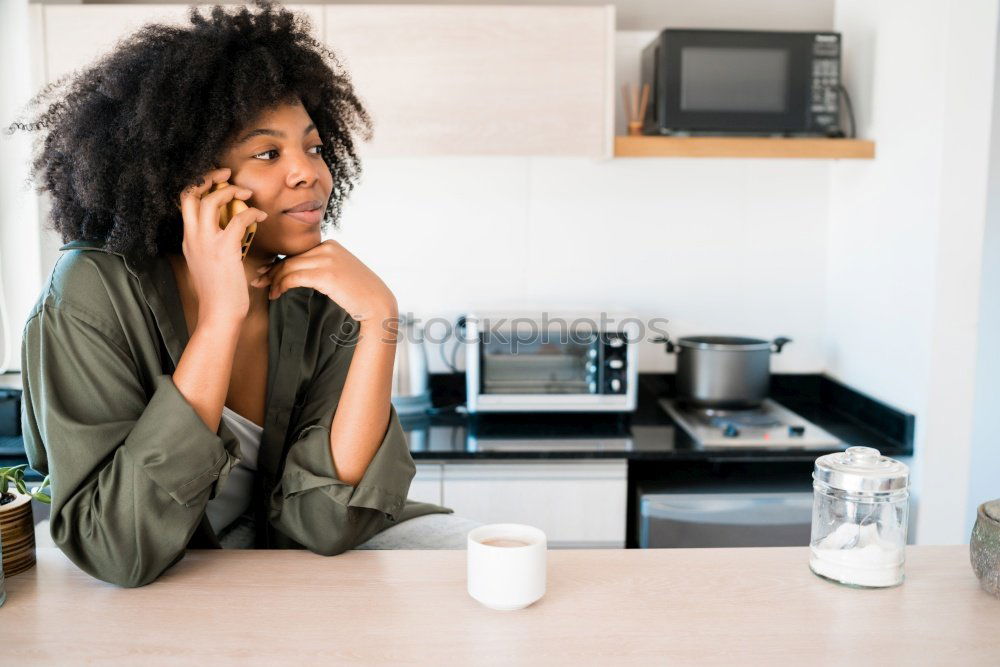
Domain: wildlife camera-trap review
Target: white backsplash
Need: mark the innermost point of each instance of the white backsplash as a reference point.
(735, 246)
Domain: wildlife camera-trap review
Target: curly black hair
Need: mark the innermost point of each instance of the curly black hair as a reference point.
(127, 134)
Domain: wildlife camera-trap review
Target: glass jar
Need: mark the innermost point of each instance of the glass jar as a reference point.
(859, 518)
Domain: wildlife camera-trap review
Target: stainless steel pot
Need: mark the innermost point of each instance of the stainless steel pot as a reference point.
(723, 371)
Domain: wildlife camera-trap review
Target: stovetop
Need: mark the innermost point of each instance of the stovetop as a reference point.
(770, 425)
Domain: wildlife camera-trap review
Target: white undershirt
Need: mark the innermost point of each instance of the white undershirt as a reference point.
(237, 490)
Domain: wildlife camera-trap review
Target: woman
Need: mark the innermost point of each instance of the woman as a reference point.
(178, 394)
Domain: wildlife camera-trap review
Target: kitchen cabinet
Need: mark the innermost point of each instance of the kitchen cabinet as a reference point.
(481, 80)
(578, 503)
(426, 484)
(436, 79)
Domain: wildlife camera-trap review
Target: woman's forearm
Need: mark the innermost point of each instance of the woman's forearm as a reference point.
(362, 415)
(203, 372)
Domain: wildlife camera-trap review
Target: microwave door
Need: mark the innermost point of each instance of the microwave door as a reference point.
(736, 81)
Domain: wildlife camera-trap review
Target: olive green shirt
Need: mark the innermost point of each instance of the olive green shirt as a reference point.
(132, 464)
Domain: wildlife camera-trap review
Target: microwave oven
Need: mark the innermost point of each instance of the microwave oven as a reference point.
(742, 82)
(551, 362)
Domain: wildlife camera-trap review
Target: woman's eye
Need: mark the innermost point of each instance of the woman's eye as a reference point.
(319, 146)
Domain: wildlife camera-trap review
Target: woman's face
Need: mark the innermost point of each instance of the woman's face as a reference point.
(278, 158)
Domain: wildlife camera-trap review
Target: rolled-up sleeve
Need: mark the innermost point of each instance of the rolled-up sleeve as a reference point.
(310, 503)
(132, 466)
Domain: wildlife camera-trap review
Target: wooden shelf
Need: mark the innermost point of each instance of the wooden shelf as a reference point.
(759, 147)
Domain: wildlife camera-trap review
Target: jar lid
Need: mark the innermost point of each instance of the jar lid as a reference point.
(861, 469)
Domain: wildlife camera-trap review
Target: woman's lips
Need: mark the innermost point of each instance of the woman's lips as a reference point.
(309, 217)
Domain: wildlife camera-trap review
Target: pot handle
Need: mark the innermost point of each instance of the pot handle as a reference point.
(779, 343)
(671, 348)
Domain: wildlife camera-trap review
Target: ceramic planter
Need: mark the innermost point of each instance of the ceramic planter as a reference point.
(984, 548)
(17, 534)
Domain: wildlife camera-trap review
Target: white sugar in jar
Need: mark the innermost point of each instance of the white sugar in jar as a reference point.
(859, 518)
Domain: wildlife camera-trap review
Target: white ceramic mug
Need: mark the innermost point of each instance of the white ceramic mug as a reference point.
(506, 577)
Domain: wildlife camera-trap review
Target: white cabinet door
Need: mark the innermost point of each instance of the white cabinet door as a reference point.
(426, 484)
(76, 35)
(480, 80)
(577, 503)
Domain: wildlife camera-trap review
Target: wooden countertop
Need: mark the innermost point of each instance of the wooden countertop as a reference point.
(719, 606)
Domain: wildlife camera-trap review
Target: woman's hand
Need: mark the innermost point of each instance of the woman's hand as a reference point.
(213, 255)
(329, 268)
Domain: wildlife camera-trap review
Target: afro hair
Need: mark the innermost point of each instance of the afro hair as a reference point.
(126, 135)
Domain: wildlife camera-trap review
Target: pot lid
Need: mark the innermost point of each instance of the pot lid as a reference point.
(724, 343)
(861, 469)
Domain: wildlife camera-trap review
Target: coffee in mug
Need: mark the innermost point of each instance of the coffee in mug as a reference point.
(506, 565)
(504, 542)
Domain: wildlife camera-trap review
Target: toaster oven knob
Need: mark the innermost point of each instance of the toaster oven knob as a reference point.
(592, 353)
(616, 385)
(616, 364)
(615, 342)
(591, 368)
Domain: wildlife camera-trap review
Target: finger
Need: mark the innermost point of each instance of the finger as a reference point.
(191, 196)
(212, 203)
(306, 278)
(262, 271)
(321, 250)
(276, 271)
(237, 227)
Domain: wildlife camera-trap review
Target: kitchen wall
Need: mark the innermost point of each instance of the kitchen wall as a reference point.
(714, 245)
(984, 480)
(732, 246)
(21, 264)
(906, 230)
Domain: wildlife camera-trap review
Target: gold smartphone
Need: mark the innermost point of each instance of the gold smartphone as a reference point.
(229, 211)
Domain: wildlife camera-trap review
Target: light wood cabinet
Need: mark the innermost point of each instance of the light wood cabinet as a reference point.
(436, 79)
(480, 80)
(579, 503)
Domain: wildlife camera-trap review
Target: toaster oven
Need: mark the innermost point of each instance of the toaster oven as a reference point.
(551, 362)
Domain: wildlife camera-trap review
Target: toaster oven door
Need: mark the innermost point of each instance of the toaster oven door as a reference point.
(539, 367)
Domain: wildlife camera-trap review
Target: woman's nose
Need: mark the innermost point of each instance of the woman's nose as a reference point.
(303, 169)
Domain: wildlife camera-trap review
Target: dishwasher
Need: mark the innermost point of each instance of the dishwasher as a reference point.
(714, 516)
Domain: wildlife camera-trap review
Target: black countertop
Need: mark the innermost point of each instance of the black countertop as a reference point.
(648, 433)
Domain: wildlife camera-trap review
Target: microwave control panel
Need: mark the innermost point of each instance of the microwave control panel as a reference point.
(824, 104)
